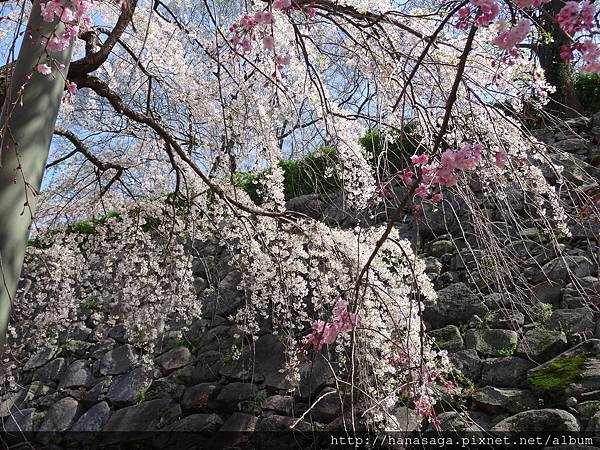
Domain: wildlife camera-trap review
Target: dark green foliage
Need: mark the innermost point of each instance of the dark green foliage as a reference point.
(300, 177)
(309, 175)
(396, 156)
(88, 227)
(587, 89)
(250, 183)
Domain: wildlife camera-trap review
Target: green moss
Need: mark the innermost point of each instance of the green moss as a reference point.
(508, 351)
(88, 227)
(543, 342)
(558, 374)
(393, 157)
(544, 315)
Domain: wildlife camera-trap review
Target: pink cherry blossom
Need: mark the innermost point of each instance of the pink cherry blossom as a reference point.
(576, 16)
(421, 190)
(488, 10)
(509, 39)
(70, 33)
(50, 9)
(282, 4)
(530, 3)
(72, 88)
(67, 15)
(590, 53)
(268, 42)
(326, 333)
(566, 53)
(463, 18)
(264, 18)
(419, 160)
(282, 60)
(44, 69)
(501, 157)
(437, 197)
(407, 177)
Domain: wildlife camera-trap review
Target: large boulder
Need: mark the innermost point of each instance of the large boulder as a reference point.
(128, 389)
(119, 360)
(235, 432)
(147, 416)
(507, 372)
(197, 398)
(506, 319)
(94, 419)
(174, 358)
(447, 338)
(467, 362)
(582, 292)
(538, 421)
(574, 373)
(492, 342)
(540, 345)
(563, 268)
(497, 400)
(78, 374)
(573, 322)
(456, 304)
(40, 358)
(61, 415)
(232, 394)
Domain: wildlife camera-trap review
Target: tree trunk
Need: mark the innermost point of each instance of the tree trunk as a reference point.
(26, 124)
(564, 101)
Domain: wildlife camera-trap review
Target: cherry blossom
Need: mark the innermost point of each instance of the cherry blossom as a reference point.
(44, 69)
(576, 16)
(282, 5)
(326, 333)
(509, 39)
(488, 10)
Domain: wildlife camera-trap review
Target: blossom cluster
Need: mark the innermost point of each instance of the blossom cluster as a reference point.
(260, 26)
(74, 16)
(509, 38)
(445, 172)
(129, 269)
(326, 333)
(297, 275)
(575, 17)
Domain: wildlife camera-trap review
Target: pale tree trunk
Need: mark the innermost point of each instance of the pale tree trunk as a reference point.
(26, 124)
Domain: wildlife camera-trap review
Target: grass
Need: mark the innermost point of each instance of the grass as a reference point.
(484, 324)
(182, 341)
(260, 399)
(558, 374)
(89, 304)
(508, 351)
(140, 396)
(544, 316)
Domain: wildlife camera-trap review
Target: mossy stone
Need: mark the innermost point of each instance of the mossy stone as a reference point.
(559, 373)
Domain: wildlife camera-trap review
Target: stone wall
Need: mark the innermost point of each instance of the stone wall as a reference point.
(523, 367)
